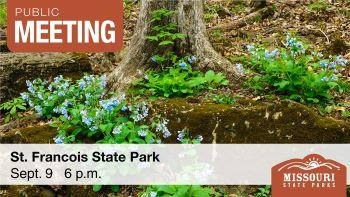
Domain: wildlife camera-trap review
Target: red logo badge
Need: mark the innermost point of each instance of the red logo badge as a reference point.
(310, 176)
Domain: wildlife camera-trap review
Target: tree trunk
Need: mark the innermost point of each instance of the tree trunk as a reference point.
(189, 18)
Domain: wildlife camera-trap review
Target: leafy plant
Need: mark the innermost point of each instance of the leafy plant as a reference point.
(180, 82)
(319, 5)
(164, 34)
(293, 73)
(177, 191)
(84, 109)
(176, 77)
(221, 99)
(263, 191)
(12, 108)
(3, 14)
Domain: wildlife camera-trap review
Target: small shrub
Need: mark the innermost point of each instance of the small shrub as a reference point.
(263, 191)
(221, 99)
(12, 108)
(293, 73)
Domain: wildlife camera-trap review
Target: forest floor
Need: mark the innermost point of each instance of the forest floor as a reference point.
(322, 25)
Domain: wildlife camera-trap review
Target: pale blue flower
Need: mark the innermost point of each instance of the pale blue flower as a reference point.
(180, 136)
(38, 109)
(324, 64)
(81, 84)
(59, 139)
(250, 47)
(240, 69)
(324, 79)
(200, 138)
(117, 130)
(154, 59)
(192, 59)
(183, 65)
(153, 194)
(25, 96)
(142, 133)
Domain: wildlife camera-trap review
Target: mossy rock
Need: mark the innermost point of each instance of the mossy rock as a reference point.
(29, 135)
(252, 122)
(16, 68)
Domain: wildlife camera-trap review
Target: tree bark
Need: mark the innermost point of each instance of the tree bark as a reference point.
(189, 18)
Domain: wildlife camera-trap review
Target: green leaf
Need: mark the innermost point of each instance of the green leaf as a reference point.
(96, 188)
(166, 42)
(13, 111)
(115, 188)
(170, 189)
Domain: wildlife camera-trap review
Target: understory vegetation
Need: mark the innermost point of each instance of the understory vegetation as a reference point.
(173, 76)
(85, 111)
(296, 73)
(3, 14)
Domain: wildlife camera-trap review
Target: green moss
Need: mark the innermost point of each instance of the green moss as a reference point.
(252, 122)
(3, 14)
(319, 5)
(238, 7)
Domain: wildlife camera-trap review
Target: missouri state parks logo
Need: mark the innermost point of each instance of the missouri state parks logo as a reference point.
(311, 176)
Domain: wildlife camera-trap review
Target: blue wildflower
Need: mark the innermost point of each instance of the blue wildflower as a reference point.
(61, 93)
(153, 194)
(142, 133)
(250, 47)
(63, 111)
(180, 136)
(117, 130)
(240, 69)
(29, 83)
(31, 89)
(40, 96)
(192, 59)
(38, 109)
(56, 110)
(124, 108)
(94, 128)
(268, 55)
(87, 121)
(154, 59)
(81, 84)
(31, 104)
(200, 138)
(59, 139)
(324, 64)
(166, 134)
(58, 79)
(332, 65)
(183, 65)
(275, 53)
(341, 61)
(162, 127)
(103, 82)
(324, 79)
(334, 78)
(25, 96)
